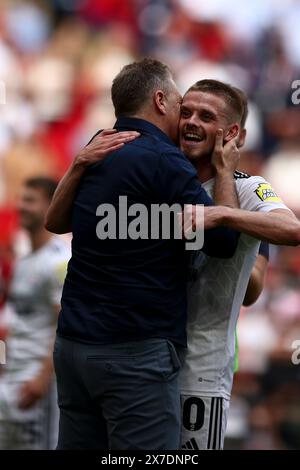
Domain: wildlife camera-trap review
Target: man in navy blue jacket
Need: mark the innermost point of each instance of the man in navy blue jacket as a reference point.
(124, 300)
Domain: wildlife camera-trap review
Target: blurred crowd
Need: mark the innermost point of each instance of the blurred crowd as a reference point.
(57, 62)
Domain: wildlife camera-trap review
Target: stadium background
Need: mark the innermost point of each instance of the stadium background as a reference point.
(57, 62)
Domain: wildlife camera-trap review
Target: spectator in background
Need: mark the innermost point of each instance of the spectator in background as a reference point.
(28, 415)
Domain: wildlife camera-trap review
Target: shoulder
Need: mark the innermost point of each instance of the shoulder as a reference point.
(156, 145)
(56, 256)
(58, 245)
(167, 155)
(174, 158)
(245, 181)
(240, 175)
(256, 193)
(57, 250)
(141, 151)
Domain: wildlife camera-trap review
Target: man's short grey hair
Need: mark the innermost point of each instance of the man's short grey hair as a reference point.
(136, 83)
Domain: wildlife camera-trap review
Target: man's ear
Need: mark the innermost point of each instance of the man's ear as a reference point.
(232, 132)
(159, 99)
(242, 138)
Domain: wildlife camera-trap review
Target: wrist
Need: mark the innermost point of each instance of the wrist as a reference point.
(224, 172)
(79, 165)
(225, 215)
(44, 379)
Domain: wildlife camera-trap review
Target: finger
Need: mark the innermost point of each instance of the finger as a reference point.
(130, 138)
(191, 222)
(188, 222)
(121, 138)
(232, 142)
(118, 137)
(106, 146)
(229, 147)
(113, 148)
(219, 140)
(180, 222)
(23, 405)
(130, 133)
(107, 132)
(22, 400)
(189, 231)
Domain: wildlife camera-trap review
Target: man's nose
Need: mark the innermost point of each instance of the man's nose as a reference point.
(193, 121)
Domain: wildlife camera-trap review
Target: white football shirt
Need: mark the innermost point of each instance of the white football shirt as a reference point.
(35, 290)
(216, 292)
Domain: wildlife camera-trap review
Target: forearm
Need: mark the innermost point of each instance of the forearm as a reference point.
(225, 193)
(59, 214)
(275, 228)
(47, 370)
(44, 376)
(255, 284)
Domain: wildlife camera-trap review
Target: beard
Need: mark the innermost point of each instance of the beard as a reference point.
(197, 154)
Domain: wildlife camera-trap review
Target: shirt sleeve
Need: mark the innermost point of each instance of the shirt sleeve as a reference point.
(256, 194)
(178, 182)
(264, 250)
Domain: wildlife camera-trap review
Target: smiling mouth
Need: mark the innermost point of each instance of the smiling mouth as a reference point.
(192, 137)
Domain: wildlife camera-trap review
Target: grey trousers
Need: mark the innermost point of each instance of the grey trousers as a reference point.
(118, 396)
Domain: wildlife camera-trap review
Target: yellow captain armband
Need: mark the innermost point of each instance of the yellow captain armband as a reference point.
(266, 193)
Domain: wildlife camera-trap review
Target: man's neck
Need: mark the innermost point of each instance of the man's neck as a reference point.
(39, 238)
(156, 121)
(205, 170)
